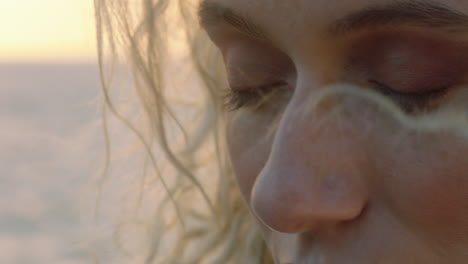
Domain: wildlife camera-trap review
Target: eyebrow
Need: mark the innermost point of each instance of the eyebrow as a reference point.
(213, 14)
(411, 13)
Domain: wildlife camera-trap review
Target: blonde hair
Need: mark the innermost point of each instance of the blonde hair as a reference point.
(206, 220)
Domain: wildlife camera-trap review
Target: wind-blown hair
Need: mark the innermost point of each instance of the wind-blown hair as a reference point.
(200, 217)
(178, 75)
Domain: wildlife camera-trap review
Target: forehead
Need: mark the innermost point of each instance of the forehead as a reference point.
(315, 6)
(288, 16)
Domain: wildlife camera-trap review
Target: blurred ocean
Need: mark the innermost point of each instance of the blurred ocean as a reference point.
(50, 146)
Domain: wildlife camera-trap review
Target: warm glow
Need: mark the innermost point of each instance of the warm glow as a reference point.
(46, 30)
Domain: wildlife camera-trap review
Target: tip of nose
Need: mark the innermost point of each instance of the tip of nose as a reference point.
(295, 212)
(292, 220)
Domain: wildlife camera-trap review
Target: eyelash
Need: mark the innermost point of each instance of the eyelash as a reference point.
(410, 102)
(253, 97)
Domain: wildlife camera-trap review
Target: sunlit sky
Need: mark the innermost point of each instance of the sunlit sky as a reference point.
(46, 30)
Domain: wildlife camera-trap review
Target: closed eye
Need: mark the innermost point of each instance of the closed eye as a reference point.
(253, 97)
(411, 102)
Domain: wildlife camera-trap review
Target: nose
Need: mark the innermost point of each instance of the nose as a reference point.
(316, 173)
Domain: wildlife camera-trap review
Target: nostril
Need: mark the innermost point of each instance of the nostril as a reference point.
(363, 213)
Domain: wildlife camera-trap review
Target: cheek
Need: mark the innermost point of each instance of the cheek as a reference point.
(428, 186)
(249, 143)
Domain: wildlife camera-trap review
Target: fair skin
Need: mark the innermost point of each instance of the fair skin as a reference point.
(358, 188)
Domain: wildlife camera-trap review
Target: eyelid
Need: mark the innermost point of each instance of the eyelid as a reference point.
(261, 87)
(410, 61)
(254, 54)
(412, 102)
(256, 76)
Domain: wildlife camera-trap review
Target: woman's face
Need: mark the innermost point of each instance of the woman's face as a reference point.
(341, 181)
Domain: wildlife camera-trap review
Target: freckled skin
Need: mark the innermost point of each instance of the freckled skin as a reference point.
(350, 185)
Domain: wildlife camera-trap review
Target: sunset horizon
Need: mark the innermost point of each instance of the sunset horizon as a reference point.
(47, 31)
